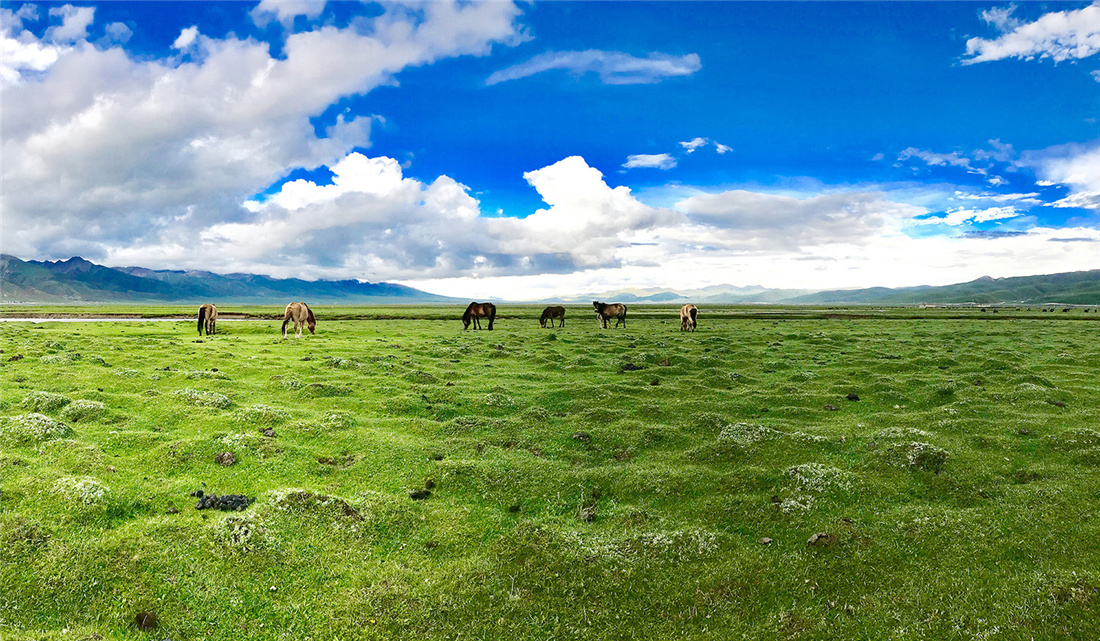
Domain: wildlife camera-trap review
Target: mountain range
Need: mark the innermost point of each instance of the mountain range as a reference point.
(79, 280)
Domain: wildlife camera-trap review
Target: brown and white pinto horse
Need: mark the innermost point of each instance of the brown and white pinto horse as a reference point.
(475, 312)
(607, 311)
(550, 313)
(301, 314)
(207, 315)
(687, 317)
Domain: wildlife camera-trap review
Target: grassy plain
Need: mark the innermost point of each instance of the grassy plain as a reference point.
(585, 484)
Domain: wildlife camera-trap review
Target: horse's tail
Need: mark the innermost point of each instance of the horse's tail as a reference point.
(286, 319)
(694, 311)
(492, 314)
(202, 317)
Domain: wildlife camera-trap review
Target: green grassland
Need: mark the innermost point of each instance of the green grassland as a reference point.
(638, 483)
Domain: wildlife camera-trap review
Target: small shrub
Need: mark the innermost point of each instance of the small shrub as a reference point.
(83, 410)
(205, 399)
(61, 359)
(44, 401)
(242, 532)
(923, 456)
(747, 433)
(82, 490)
(290, 383)
(261, 414)
(900, 433)
(32, 428)
(816, 477)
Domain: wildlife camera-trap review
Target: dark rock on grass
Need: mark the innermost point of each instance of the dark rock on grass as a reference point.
(1023, 432)
(172, 510)
(765, 541)
(664, 363)
(17, 357)
(225, 459)
(513, 508)
(1055, 403)
(146, 620)
(225, 502)
(583, 437)
(832, 408)
(852, 397)
(631, 367)
(270, 433)
(436, 457)
(419, 495)
(429, 484)
(587, 513)
(655, 382)
(821, 540)
(430, 545)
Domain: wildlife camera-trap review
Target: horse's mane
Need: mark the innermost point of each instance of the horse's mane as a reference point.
(469, 311)
(309, 314)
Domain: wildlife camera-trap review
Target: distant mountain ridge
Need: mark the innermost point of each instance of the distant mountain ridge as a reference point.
(79, 280)
(1069, 288)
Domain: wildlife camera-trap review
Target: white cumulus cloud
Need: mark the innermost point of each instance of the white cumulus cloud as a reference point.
(1059, 36)
(74, 24)
(286, 10)
(103, 150)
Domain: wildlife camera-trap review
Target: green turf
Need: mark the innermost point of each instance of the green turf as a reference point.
(572, 496)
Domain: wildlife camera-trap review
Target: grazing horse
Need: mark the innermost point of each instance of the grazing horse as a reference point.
(301, 314)
(607, 311)
(207, 315)
(475, 311)
(687, 317)
(551, 313)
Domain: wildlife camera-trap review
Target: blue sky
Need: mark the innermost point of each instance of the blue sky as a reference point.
(557, 148)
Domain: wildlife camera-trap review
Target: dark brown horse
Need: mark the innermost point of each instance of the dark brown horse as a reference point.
(607, 311)
(475, 312)
(688, 313)
(301, 314)
(550, 313)
(207, 315)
